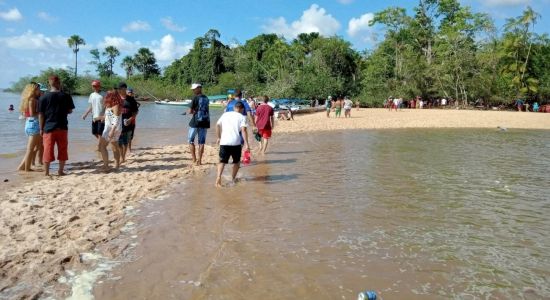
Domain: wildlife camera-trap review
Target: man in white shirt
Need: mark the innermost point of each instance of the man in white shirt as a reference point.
(228, 127)
(97, 109)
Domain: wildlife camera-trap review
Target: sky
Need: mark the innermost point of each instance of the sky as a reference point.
(33, 34)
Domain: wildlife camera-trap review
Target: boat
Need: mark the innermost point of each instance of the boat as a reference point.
(175, 103)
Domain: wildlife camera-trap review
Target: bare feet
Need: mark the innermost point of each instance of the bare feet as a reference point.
(219, 182)
(61, 173)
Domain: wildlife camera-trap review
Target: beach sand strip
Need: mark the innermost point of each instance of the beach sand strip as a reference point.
(45, 225)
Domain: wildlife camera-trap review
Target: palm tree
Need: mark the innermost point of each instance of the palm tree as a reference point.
(74, 43)
(111, 52)
(128, 66)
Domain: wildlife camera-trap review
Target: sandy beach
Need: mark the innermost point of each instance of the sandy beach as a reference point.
(417, 118)
(47, 223)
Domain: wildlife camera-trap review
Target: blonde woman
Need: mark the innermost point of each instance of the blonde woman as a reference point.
(29, 108)
(112, 130)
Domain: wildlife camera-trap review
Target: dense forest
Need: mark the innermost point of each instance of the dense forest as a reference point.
(439, 49)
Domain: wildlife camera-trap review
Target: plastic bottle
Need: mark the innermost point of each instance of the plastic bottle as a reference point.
(367, 295)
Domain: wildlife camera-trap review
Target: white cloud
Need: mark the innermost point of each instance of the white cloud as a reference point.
(136, 26)
(31, 52)
(120, 43)
(505, 2)
(11, 15)
(46, 17)
(34, 41)
(170, 25)
(314, 19)
(359, 28)
(169, 49)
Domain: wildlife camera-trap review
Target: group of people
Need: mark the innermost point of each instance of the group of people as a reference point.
(113, 119)
(231, 128)
(46, 122)
(338, 104)
(524, 105)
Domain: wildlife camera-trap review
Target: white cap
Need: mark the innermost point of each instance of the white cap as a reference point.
(195, 85)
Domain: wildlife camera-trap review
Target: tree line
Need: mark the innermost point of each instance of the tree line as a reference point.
(439, 49)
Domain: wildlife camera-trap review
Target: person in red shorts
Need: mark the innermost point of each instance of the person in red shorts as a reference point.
(53, 108)
(265, 122)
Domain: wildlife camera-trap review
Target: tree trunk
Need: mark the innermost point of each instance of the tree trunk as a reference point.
(75, 63)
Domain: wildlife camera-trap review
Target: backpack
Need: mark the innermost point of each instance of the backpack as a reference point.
(203, 113)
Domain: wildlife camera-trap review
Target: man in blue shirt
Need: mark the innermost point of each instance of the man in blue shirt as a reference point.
(246, 111)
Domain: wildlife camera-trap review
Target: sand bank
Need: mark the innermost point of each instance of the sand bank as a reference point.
(416, 118)
(46, 224)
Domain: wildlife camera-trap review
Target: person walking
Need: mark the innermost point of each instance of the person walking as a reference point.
(112, 129)
(265, 122)
(130, 109)
(348, 104)
(328, 105)
(338, 106)
(29, 108)
(199, 123)
(247, 112)
(97, 108)
(54, 107)
(229, 129)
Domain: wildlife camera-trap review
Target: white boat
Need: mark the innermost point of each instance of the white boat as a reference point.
(171, 102)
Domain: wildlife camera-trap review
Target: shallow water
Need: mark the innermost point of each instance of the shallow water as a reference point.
(157, 125)
(411, 214)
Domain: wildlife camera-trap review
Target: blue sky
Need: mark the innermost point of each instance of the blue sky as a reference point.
(33, 34)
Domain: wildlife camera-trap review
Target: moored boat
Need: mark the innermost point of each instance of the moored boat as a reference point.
(175, 103)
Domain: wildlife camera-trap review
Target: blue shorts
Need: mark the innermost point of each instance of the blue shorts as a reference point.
(32, 127)
(201, 133)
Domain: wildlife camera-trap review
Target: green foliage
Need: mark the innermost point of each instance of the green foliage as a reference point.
(441, 49)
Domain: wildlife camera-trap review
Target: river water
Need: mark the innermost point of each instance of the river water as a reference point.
(157, 125)
(411, 214)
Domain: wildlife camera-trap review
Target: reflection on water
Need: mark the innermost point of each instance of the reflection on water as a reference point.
(412, 214)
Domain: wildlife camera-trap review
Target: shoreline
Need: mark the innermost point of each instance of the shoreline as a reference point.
(47, 223)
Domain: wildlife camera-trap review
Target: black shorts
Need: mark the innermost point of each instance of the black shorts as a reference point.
(97, 127)
(230, 151)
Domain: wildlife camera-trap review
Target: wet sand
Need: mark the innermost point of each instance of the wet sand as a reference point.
(416, 118)
(46, 224)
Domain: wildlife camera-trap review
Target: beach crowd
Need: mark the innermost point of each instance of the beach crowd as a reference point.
(113, 123)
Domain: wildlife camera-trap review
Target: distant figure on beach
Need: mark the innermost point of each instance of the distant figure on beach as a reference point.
(396, 103)
(229, 129)
(10, 108)
(357, 105)
(29, 109)
(252, 105)
(265, 121)
(200, 122)
(535, 107)
(97, 108)
(348, 104)
(519, 104)
(130, 109)
(112, 129)
(54, 106)
(329, 105)
(338, 106)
